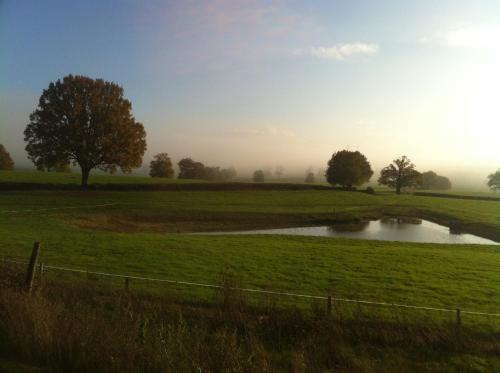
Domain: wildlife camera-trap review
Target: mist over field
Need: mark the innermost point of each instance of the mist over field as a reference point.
(268, 150)
(264, 84)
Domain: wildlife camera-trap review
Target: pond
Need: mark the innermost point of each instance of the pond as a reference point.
(385, 229)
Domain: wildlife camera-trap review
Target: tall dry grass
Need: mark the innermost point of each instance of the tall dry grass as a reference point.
(80, 329)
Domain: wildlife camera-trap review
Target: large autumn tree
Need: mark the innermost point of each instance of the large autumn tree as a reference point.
(6, 162)
(86, 122)
(348, 169)
(400, 174)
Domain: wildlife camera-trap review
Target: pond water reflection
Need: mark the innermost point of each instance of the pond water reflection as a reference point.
(385, 229)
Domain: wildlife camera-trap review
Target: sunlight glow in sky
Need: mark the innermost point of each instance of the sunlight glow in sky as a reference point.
(256, 83)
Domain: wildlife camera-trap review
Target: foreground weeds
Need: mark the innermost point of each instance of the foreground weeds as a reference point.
(79, 329)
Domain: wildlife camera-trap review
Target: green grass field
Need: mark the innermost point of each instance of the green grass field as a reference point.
(143, 233)
(147, 233)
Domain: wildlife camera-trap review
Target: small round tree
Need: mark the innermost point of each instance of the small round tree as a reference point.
(348, 169)
(258, 176)
(161, 166)
(86, 122)
(6, 162)
(310, 178)
(494, 181)
(400, 174)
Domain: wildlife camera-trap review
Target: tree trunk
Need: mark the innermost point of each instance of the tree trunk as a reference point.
(85, 177)
(398, 189)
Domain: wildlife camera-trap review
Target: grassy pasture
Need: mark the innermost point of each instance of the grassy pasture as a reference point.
(141, 233)
(146, 233)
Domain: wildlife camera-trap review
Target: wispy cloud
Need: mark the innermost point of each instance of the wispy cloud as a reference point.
(217, 34)
(270, 131)
(466, 37)
(339, 52)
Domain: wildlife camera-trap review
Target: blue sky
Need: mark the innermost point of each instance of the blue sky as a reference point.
(256, 83)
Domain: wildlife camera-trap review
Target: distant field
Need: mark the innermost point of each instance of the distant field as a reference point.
(27, 176)
(75, 178)
(136, 233)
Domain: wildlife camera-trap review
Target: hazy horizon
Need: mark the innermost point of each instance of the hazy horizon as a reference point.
(255, 84)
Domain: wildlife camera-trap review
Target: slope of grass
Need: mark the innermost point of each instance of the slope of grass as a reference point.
(134, 235)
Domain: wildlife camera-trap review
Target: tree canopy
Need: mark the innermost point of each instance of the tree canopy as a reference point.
(86, 122)
(494, 181)
(400, 174)
(348, 169)
(431, 180)
(6, 162)
(258, 176)
(189, 169)
(161, 166)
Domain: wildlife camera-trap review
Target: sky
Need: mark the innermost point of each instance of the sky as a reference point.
(260, 83)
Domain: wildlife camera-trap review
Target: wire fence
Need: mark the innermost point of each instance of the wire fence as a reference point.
(56, 208)
(329, 299)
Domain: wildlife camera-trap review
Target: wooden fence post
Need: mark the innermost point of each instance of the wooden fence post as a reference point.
(30, 276)
(127, 283)
(459, 319)
(329, 305)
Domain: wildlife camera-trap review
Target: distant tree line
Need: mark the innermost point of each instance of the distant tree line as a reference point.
(161, 166)
(190, 169)
(350, 169)
(431, 180)
(56, 167)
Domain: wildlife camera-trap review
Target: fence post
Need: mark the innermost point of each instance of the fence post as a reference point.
(127, 283)
(30, 276)
(459, 319)
(329, 305)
